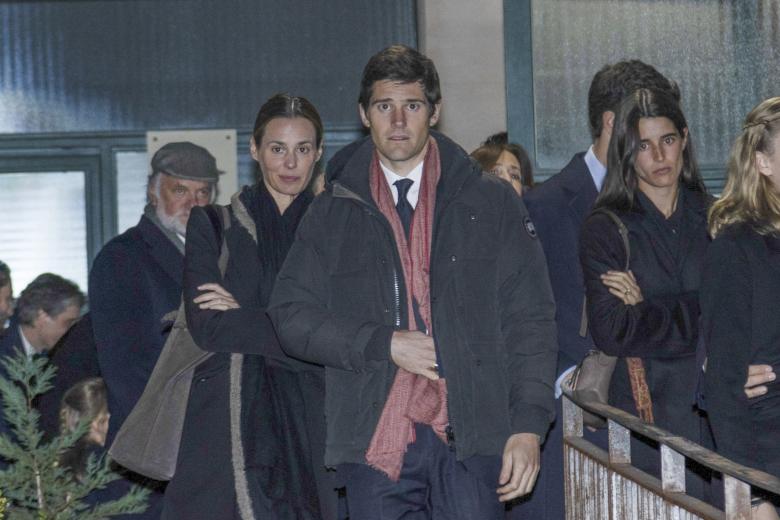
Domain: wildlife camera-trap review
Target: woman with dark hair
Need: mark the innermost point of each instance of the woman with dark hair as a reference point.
(508, 161)
(253, 439)
(740, 296)
(648, 315)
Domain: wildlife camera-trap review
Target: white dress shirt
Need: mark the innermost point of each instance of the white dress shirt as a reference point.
(414, 191)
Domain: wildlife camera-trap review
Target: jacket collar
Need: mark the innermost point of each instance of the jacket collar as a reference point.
(162, 250)
(348, 170)
(578, 187)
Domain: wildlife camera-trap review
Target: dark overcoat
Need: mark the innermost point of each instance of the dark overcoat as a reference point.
(663, 329)
(558, 208)
(10, 343)
(740, 297)
(75, 358)
(135, 281)
(253, 414)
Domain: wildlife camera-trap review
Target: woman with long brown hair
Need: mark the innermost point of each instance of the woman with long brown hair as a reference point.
(647, 315)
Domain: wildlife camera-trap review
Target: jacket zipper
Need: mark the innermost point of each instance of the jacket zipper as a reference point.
(397, 294)
(450, 430)
(341, 191)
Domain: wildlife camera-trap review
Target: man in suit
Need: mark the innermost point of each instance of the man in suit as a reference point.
(558, 208)
(46, 309)
(136, 279)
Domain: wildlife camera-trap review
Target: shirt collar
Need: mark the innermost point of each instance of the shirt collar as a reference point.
(29, 350)
(415, 176)
(597, 170)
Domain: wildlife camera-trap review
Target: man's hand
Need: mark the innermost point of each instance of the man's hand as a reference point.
(758, 377)
(520, 466)
(414, 352)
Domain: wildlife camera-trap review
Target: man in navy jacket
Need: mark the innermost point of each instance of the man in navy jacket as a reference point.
(558, 208)
(137, 279)
(46, 309)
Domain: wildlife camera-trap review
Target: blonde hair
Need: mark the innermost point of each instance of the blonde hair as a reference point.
(748, 196)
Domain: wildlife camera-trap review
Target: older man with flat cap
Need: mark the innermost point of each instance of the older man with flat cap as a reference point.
(137, 278)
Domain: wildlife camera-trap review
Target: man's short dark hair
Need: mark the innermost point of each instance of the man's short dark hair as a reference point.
(404, 65)
(5, 274)
(49, 293)
(614, 82)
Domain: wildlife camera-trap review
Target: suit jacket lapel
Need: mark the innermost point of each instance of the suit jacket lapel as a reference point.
(581, 191)
(162, 251)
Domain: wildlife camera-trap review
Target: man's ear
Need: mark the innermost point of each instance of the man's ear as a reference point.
(607, 121)
(319, 154)
(435, 115)
(253, 148)
(151, 195)
(39, 316)
(364, 116)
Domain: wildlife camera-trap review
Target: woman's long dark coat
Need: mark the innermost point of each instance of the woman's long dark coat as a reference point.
(740, 301)
(663, 329)
(266, 470)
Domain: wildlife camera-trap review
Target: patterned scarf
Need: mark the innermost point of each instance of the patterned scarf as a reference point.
(413, 398)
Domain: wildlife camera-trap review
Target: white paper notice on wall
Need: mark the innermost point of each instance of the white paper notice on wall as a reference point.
(221, 144)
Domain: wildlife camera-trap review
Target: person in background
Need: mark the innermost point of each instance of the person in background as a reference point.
(47, 308)
(740, 295)
(558, 208)
(136, 280)
(87, 401)
(508, 161)
(6, 296)
(270, 463)
(84, 401)
(648, 315)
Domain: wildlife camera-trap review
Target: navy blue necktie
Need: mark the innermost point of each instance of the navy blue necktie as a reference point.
(405, 213)
(404, 209)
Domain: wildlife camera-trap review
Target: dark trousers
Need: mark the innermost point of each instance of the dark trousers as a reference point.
(433, 485)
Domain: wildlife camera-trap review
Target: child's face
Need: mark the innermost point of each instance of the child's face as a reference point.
(99, 428)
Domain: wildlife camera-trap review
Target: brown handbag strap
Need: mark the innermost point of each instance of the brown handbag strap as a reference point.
(636, 368)
(623, 231)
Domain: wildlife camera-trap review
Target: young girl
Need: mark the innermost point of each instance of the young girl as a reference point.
(84, 400)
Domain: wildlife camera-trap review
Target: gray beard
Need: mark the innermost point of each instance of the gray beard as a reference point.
(151, 213)
(169, 222)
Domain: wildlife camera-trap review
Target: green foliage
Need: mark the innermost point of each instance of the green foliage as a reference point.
(35, 485)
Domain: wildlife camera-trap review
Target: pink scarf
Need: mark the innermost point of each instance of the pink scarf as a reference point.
(412, 398)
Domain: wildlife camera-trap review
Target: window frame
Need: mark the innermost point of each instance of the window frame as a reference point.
(521, 116)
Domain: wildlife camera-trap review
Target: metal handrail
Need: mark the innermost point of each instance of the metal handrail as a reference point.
(689, 449)
(670, 491)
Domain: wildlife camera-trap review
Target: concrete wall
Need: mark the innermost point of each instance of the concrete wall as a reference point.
(465, 38)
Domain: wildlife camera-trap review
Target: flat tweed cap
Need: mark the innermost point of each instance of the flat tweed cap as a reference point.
(186, 160)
